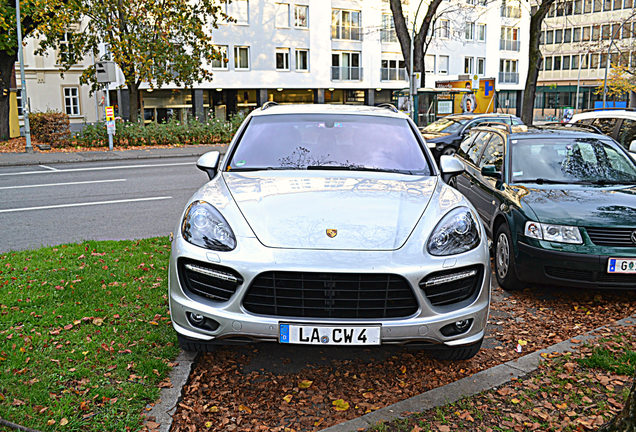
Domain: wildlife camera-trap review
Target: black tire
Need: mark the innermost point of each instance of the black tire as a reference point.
(452, 182)
(448, 151)
(505, 267)
(462, 352)
(195, 345)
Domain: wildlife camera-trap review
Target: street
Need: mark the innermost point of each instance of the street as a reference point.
(52, 204)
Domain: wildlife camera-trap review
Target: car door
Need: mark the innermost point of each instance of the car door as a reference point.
(486, 187)
(470, 155)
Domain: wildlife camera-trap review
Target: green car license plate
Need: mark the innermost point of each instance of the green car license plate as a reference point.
(621, 265)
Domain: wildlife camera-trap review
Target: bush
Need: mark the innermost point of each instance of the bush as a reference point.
(51, 127)
(173, 132)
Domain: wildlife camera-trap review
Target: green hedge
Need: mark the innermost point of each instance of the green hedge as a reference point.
(171, 133)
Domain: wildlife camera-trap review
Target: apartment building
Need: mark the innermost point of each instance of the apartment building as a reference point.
(578, 38)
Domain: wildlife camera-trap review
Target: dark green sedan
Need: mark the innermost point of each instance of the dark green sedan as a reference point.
(558, 203)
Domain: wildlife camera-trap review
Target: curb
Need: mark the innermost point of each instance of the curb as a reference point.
(20, 159)
(469, 386)
(165, 408)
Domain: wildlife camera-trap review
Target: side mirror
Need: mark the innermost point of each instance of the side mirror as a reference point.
(632, 147)
(490, 171)
(209, 162)
(450, 167)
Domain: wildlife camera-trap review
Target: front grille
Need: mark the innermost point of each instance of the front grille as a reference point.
(330, 295)
(213, 282)
(602, 278)
(567, 273)
(452, 286)
(620, 237)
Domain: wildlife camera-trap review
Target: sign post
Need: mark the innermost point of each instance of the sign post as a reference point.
(105, 73)
(110, 122)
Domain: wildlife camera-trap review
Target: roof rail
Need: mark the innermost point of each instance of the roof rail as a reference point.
(495, 125)
(571, 125)
(268, 104)
(388, 106)
(609, 109)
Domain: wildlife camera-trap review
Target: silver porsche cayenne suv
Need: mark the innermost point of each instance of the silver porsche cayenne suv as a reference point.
(329, 225)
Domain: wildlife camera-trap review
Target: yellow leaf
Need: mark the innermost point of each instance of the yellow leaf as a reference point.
(153, 323)
(64, 422)
(208, 424)
(515, 401)
(214, 409)
(98, 321)
(403, 369)
(340, 405)
(51, 422)
(562, 406)
(245, 408)
(522, 342)
(84, 352)
(288, 398)
(305, 384)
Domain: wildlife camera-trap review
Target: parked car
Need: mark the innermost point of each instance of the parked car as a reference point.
(616, 123)
(444, 135)
(559, 204)
(329, 225)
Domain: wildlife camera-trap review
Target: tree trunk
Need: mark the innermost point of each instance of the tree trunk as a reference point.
(625, 421)
(7, 63)
(534, 54)
(133, 112)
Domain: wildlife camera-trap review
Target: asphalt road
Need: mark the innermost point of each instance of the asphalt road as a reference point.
(106, 200)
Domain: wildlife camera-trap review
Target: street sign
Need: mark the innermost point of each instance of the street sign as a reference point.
(475, 83)
(110, 113)
(110, 127)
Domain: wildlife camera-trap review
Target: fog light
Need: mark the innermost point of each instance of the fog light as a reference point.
(462, 325)
(199, 321)
(456, 328)
(196, 318)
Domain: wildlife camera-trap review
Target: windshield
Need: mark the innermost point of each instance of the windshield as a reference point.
(320, 141)
(445, 125)
(570, 160)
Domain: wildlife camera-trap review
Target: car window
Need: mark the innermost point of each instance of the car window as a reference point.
(466, 144)
(478, 145)
(445, 125)
(299, 141)
(627, 133)
(605, 125)
(570, 160)
(516, 121)
(494, 153)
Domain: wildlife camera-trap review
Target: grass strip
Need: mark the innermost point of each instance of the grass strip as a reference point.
(86, 340)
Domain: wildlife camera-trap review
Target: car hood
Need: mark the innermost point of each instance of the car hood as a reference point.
(583, 205)
(370, 211)
(434, 137)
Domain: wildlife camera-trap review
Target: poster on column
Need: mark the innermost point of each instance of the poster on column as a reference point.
(478, 101)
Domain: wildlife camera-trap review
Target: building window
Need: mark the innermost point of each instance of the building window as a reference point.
(469, 33)
(468, 65)
(565, 65)
(556, 64)
(18, 95)
(567, 35)
(302, 60)
(393, 70)
(345, 24)
(586, 34)
(481, 32)
(282, 15)
(508, 71)
(558, 36)
(547, 64)
(574, 64)
(387, 32)
(429, 63)
(241, 57)
(596, 32)
(444, 29)
(481, 66)
(301, 16)
(282, 59)
(71, 101)
(442, 67)
(576, 34)
(605, 32)
(549, 37)
(239, 10)
(345, 66)
(221, 62)
(578, 7)
(65, 48)
(510, 38)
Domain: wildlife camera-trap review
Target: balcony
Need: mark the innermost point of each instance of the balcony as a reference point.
(508, 78)
(509, 45)
(346, 73)
(346, 32)
(388, 74)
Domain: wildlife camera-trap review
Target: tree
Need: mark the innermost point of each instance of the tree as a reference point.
(535, 57)
(624, 421)
(33, 14)
(155, 42)
(621, 81)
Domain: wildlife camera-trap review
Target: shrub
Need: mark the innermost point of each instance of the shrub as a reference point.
(51, 127)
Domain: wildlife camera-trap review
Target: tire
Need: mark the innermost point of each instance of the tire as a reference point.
(448, 151)
(505, 268)
(195, 345)
(462, 352)
(452, 182)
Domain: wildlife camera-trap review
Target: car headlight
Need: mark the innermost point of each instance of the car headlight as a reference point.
(204, 226)
(554, 233)
(457, 232)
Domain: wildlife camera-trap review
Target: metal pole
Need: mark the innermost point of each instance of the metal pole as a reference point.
(412, 86)
(96, 100)
(23, 89)
(578, 84)
(605, 79)
(110, 136)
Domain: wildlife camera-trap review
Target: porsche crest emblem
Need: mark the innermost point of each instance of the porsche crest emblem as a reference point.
(332, 232)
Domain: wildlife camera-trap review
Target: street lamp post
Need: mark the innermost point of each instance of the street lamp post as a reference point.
(607, 63)
(411, 72)
(23, 89)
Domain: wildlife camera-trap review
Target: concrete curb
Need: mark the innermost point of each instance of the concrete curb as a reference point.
(469, 386)
(20, 159)
(165, 408)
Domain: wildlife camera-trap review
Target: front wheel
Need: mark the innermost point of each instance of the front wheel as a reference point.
(462, 352)
(448, 151)
(505, 270)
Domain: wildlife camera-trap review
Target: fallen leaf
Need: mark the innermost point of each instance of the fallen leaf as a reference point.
(304, 384)
(245, 408)
(98, 321)
(288, 398)
(340, 405)
(64, 421)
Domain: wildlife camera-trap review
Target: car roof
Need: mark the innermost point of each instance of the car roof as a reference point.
(285, 109)
(471, 116)
(612, 113)
(543, 133)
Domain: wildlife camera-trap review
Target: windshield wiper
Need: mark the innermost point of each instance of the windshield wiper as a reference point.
(261, 169)
(604, 182)
(542, 181)
(358, 168)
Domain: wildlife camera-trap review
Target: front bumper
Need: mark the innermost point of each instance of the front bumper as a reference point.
(251, 258)
(544, 266)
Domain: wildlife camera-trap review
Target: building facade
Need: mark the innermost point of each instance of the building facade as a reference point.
(579, 39)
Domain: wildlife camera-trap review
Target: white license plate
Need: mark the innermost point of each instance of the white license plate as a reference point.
(621, 265)
(328, 335)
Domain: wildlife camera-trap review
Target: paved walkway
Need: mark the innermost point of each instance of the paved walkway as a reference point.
(44, 158)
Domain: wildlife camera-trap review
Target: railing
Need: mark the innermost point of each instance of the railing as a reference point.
(509, 45)
(509, 77)
(388, 35)
(346, 73)
(392, 74)
(346, 32)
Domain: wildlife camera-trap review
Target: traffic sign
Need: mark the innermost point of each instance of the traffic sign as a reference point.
(110, 127)
(110, 113)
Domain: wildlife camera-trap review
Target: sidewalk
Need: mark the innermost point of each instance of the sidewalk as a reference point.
(42, 158)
